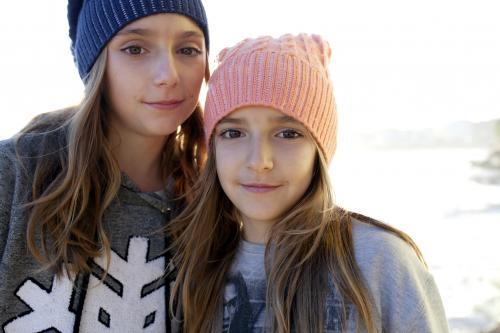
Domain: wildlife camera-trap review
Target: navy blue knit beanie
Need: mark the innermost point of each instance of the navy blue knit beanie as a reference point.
(92, 23)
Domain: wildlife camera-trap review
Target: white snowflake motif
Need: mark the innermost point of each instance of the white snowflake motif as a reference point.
(105, 310)
(50, 308)
(138, 306)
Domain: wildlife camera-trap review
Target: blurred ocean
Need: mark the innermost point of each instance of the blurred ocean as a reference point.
(434, 196)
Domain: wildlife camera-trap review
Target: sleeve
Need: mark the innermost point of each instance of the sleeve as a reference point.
(404, 294)
(7, 185)
(430, 316)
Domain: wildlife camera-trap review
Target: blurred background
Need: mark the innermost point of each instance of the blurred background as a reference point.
(417, 86)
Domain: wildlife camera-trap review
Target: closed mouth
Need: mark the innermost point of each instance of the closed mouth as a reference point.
(259, 188)
(167, 104)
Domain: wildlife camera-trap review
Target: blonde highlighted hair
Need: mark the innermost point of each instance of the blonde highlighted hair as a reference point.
(77, 177)
(311, 245)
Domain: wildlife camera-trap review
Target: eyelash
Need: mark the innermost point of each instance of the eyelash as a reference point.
(226, 134)
(128, 48)
(296, 134)
(192, 51)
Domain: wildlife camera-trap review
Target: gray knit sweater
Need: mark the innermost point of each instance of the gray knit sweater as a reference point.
(133, 297)
(404, 296)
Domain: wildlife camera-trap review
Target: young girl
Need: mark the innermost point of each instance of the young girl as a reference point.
(83, 190)
(262, 247)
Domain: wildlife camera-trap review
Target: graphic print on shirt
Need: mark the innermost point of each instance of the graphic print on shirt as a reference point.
(131, 298)
(245, 302)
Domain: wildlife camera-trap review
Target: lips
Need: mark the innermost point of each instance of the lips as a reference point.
(164, 104)
(259, 187)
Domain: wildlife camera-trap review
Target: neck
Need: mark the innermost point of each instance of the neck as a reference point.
(140, 159)
(256, 231)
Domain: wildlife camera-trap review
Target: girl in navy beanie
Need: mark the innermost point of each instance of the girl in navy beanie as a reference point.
(83, 191)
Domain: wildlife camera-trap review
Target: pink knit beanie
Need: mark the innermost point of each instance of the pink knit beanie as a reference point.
(289, 73)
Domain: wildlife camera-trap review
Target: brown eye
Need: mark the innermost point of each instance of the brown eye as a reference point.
(231, 134)
(289, 134)
(189, 51)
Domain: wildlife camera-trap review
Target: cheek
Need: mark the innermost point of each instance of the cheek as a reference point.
(121, 81)
(309, 161)
(299, 164)
(115, 68)
(222, 165)
(227, 161)
(118, 94)
(194, 76)
(301, 156)
(303, 174)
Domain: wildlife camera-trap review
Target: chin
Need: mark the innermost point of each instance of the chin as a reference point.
(263, 216)
(164, 128)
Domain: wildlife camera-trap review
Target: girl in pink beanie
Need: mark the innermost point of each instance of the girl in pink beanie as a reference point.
(263, 247)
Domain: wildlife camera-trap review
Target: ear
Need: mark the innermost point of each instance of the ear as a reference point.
(74, 8)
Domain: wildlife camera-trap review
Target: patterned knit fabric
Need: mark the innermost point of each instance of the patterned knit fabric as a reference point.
(92, 23)
(289, 73)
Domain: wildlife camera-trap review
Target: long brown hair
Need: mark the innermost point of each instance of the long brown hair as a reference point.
(311, 244)
(77, 177)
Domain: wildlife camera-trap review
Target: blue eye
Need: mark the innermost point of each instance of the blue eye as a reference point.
(289, 134)
(231, 134)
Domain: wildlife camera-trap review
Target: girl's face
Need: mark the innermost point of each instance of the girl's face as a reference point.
(154, 71)
(264, 161)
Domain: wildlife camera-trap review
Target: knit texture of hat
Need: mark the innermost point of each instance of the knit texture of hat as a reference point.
(92, 23)
(289, 74)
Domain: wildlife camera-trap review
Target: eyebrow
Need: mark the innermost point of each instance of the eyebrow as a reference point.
(149, 32)
(137, 31)
(286, 119)
(192, 33)
(238, 121)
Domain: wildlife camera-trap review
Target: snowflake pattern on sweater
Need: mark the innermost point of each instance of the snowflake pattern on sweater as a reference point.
(131, 298)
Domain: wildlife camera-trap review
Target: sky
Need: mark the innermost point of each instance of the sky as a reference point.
(396, 63)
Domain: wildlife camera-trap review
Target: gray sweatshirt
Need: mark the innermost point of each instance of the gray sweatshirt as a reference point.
(133, 296)
(405, 297)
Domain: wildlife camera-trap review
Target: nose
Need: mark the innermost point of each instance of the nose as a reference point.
(165, 70)
(260, 155)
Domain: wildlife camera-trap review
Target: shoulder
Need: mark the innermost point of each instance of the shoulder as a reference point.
(402, 289)
(35, 145)
(44, 134)
(7, 147)
(385, 259)
(16, 171)
(20, 154)
(38, 145)
(7, 158)
(9, 171)
(373, 244)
